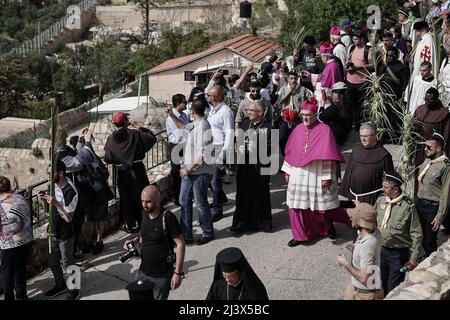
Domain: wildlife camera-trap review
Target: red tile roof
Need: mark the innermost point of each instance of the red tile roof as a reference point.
(248, 46)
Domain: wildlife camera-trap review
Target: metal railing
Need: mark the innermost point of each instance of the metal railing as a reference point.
(158, 155)
(39, 41)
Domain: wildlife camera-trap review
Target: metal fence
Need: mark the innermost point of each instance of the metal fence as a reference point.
(38, 42)
(156, 156)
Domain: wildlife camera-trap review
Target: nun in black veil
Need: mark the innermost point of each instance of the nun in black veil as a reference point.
(234, 278)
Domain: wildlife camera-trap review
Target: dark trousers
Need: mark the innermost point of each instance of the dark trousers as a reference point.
(175, 174)
(217, 191)
(427, 212)
(355, 95)
(13, 267)
(285, 132)
(391, 261)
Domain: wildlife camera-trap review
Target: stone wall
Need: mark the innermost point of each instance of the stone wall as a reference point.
(72, 118)
(129, 16)
(430, 280)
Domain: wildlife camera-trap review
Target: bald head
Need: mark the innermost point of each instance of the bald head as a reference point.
(150, 199)
(215, 95)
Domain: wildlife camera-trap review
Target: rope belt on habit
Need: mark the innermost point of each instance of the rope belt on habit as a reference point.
(364, 194)
(136, 161)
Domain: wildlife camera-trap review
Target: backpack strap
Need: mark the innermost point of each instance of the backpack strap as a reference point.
(164, 229)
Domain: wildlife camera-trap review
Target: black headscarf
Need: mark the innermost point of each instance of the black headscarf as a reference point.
(231, 259)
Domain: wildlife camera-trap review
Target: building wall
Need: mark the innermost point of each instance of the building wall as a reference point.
(165, 84)
(130, 16)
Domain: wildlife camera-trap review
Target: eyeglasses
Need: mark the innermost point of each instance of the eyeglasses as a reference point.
(366, 135)
(428, 147)
(255, 91)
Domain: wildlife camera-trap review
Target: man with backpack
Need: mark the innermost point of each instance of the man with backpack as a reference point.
(159, 233)
(95, 175)
(357, 68)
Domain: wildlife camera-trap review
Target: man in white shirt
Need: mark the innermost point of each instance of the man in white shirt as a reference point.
(176, 137)
(221, 119)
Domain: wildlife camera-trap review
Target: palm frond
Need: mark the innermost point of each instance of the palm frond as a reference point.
(296, 38)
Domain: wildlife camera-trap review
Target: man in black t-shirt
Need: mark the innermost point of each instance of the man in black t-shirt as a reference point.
(160, 232)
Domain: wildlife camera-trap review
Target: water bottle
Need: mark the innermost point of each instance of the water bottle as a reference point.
(404, 269)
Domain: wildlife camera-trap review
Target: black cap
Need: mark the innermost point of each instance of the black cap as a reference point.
(393, 176)
(437, 137)
(230, 259)
(140, 290)
(420, 25)
(60, 166)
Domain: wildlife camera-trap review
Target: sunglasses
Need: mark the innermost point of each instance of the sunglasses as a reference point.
(428, 147)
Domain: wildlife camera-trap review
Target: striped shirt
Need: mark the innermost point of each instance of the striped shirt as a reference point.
(16, 229)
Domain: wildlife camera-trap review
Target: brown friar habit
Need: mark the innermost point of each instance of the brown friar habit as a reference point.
(364, 172)
(253, 207)
(436, 118)
(126, 148)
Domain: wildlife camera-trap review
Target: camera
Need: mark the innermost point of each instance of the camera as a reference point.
(350, 65)
(225, 72)
(132, 251)
(171, 258)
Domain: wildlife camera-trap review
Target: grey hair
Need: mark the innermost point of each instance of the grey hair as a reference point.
(260, 104)
(368, 126)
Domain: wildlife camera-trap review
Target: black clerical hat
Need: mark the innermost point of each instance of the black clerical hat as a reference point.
(438, 137)
(140, 290)
(230, 259)
(420, 25)
(393, 176)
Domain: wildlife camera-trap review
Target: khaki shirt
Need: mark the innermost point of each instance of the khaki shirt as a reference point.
(299, 95)
(435, 185)
(403, 227)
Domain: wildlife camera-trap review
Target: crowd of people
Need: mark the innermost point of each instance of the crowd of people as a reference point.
(227, 126)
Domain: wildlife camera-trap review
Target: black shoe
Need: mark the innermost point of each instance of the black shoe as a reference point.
(203, 240)
(236, 229)
(56, 291)
(97, 248)
(87, 247)
(78, 257)
(73, 295)
(332, 233)
(188, 241)
(294, 243)
(217, 217)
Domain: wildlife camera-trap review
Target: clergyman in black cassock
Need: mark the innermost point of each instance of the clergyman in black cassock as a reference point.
(253, 206)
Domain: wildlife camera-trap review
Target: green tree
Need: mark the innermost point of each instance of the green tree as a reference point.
(319, 15)
(14, 79)
(41, 69)
(67, 79)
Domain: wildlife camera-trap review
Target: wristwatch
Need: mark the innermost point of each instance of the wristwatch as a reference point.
(181, 274)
